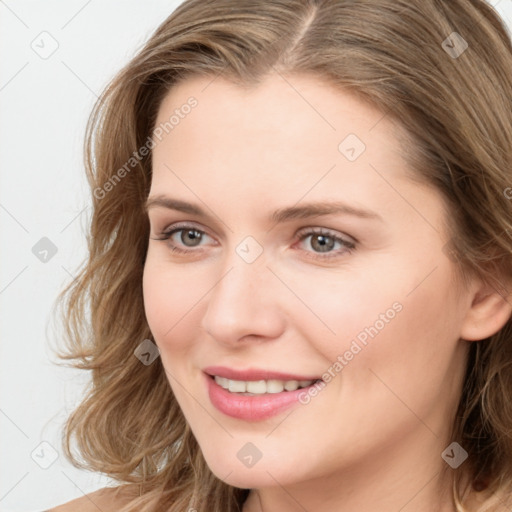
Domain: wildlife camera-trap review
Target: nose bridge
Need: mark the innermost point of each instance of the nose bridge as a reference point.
(243, 301)
(240, 283)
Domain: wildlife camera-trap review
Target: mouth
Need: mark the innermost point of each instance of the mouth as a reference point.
(256, 374)
(254, 395)
(261, 387)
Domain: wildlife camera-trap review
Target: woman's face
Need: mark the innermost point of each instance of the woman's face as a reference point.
(299, 251)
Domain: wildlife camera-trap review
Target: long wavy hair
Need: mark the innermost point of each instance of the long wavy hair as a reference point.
(397, 55)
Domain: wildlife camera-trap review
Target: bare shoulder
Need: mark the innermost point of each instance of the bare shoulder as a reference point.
(108, 499)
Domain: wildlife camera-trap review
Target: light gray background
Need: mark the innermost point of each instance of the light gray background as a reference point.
(44, 101)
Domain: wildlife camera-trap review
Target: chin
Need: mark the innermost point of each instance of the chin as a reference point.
(227, 466)
(245, 478)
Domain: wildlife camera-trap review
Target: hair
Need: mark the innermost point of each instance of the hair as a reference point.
(457, 115)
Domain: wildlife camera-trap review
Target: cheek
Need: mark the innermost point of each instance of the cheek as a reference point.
(172, 301)
(171, 297)
(332, 309)
(410, 355)
(395, 321)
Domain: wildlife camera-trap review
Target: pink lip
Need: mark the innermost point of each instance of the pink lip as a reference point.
(253, 374)
(251, 408)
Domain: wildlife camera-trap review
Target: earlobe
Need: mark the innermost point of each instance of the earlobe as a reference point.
(490, 310)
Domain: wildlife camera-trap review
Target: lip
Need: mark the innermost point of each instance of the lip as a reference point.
(253, 374)
(252, 408)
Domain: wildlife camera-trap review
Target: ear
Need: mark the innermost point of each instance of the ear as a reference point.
(490, 310)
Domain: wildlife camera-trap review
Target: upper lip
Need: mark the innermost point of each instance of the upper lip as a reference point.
(253, 374)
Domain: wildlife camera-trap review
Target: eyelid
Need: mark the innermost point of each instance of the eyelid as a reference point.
(185, 225)
(328, 232)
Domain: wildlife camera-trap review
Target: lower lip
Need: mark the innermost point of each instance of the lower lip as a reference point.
(251, 408)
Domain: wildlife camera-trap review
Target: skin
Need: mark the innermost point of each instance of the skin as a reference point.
(372, 438)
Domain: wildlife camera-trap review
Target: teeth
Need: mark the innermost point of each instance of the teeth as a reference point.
(292, 385)
(237, 386)
(260, 387)
(256, 387)
(275, 386)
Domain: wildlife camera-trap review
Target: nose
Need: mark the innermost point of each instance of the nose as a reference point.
(244, 305)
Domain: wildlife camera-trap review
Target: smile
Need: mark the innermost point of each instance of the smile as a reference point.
(257, 396)
(260, 387)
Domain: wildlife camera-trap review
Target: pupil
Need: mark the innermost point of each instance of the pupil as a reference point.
(191, 237)
(322, 243)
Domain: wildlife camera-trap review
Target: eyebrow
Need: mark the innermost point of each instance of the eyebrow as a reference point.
(305, 211)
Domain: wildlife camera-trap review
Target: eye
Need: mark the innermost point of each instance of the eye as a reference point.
(182, 237)
(189, 237)
(324, 243)
(319, 243)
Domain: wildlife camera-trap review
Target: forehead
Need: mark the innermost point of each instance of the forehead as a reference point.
(285, 139)
(289, 103)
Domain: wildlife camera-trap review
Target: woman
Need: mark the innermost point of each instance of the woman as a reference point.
(296, 296)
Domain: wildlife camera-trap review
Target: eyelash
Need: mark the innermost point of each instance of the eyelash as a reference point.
(303, 235)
